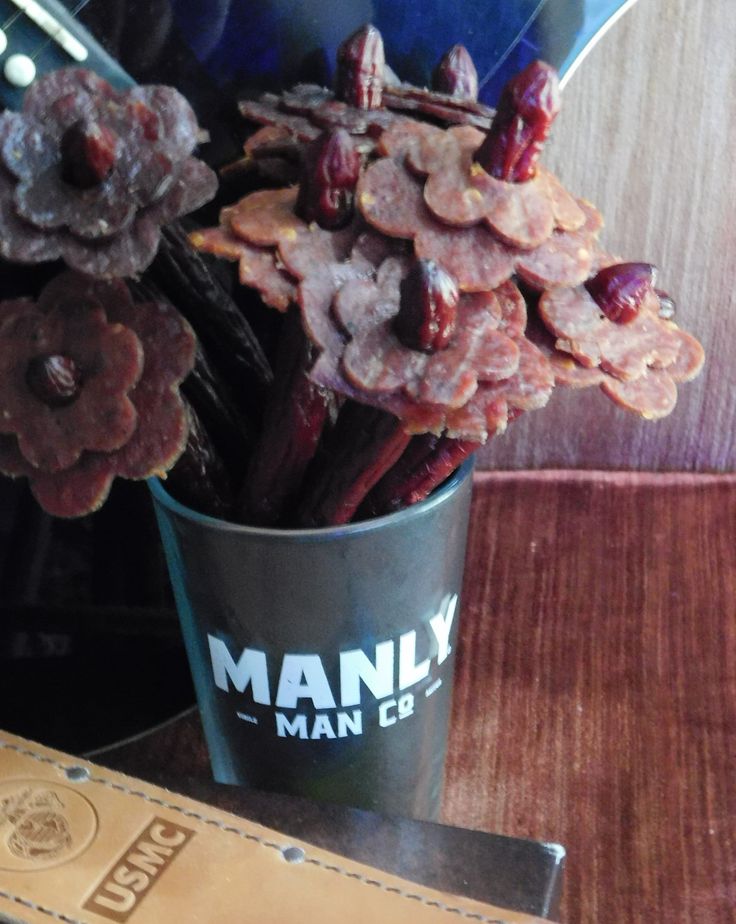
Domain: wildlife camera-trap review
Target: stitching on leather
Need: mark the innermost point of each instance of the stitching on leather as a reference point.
(35, 907)
(188, 813)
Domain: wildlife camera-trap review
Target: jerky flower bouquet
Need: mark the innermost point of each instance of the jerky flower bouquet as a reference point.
(401, 280)
(430, 282)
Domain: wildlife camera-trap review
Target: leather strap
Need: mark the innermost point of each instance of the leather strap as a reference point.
(84, 845)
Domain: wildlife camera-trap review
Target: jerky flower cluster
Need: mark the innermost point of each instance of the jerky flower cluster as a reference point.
(441, 275)
(89, 390)
(89, 175)
(431, 282)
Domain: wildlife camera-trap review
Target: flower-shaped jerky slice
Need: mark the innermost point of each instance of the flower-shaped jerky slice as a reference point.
(65, 379)
(391, 200)
(257, 266)
(636, 364)
(376, 361)
(161, 429)
(91, 174)
(460, 192)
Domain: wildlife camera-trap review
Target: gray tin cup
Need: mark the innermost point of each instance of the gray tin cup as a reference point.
(323, 659)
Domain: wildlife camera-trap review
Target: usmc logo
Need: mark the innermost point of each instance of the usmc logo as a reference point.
(42, 825)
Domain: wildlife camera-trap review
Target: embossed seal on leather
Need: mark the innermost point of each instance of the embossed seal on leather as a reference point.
(85, 845)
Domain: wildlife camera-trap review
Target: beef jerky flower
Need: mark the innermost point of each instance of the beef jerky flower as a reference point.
(393, 201)
(120, 413)
(637, 364)
(90, 175)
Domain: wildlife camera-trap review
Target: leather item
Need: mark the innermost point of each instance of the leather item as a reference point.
(85, 845)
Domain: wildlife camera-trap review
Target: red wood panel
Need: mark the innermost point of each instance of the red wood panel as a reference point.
(596, 687)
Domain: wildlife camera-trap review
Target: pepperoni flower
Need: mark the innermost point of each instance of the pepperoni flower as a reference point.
(90, 175)
(89, 390)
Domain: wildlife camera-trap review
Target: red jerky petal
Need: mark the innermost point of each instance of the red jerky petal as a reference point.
(460, 192)
(377, 362)
(391, 199)
(564, 259)
(315, 296)
(485, 415)
(12, 462)
(653, 395)
(195, 185)
(405, 136)
(268, 135)
(531, 386)
(69, 83)
(24, 148)
(450, 109)
(48, 202)
(77, 491)
(690, 358)
(335, 114)
(567, 371)
(265, 217)
(593, 219)
(19, 241)
(304, 98)
(266, 112)
(315, 250)
(178, 128)
(170, 348)
(473, 256)
(568, 213)
(256, 265)
(624, 350)
(126, 254)
(572, 315)
(513, 316)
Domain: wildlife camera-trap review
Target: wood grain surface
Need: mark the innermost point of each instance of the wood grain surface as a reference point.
(647, 132)
(595, 700)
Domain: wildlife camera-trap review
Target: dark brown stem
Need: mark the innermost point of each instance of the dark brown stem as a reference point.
(199, 479)
(295, 415)
(186, 279)
(364, 445)
(427, 462)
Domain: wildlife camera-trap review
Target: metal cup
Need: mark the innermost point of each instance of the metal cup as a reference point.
(323, 658)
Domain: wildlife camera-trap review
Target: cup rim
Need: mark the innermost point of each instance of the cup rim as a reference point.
(437, 497)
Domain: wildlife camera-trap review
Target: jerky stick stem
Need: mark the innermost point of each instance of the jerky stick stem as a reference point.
(295, 415)
(199, 478)
(364, 445)
(428, 461)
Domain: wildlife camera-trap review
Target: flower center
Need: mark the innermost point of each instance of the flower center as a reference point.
(88, 152)
(54, 379)
(427, 308)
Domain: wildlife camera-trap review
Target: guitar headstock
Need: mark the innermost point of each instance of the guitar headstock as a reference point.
(38, 36)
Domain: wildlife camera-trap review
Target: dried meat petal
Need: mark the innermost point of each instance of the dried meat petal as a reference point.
(624, 350)
(568, 212)
(375, 361)
(473, 256)
(451, 110)
(256, 265)
(690, 358)
(266, 111)
(564, 259)
(265, 217)
(391, 200)
(406, 136)
(653, 395)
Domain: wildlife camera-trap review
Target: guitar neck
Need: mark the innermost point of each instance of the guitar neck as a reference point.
(40, 37)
